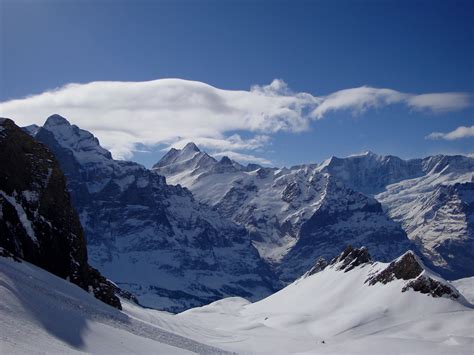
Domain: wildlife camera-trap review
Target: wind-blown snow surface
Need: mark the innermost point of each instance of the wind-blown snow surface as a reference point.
(42, 313)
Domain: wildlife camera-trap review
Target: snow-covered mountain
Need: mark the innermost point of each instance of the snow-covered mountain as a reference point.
(352, 305)
(293, 215)
(437, 212)
(151, 238)
(310, 210)
(37, 220)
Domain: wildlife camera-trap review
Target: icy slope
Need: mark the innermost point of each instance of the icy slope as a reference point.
(151, 238)
(41, 313)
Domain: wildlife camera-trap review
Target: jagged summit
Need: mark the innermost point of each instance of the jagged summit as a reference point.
(188, 157)
(82, 144)
(406, 267)
(350, 258)
(410, 268)
(191, 147)
(225, 160)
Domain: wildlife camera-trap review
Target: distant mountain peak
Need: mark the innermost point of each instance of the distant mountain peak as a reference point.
(191, 147)
(83, 144)
(56, 120)
(225, 160)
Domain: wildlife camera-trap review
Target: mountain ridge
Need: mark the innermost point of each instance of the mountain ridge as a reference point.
(396, 183)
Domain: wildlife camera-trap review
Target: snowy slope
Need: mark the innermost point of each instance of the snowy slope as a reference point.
(151, 238)
(41, 313)
(343, 310)
(465, 287)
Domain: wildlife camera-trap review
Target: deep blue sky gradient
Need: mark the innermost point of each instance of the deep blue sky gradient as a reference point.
(315, 46)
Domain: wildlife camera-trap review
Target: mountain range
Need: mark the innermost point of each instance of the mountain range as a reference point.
(249, 257)
(311, 210)
(195, 229)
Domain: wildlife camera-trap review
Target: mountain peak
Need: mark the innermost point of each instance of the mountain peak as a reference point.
(351, 257)
(191, 147)
(56, 120)
(225, 160)
(83, 144)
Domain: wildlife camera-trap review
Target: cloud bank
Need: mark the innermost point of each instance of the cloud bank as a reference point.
(458, 133)
(125, 115)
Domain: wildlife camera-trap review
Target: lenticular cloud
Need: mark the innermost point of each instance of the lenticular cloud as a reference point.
(172, 111)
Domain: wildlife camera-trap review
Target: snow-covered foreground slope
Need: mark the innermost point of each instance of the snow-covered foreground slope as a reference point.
(339, 312)
(42, 313)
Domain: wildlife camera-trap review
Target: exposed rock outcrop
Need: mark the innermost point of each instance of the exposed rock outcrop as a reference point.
(406, 267)
(319, 266)
(410, 268)
(37, 221)
(351, 258)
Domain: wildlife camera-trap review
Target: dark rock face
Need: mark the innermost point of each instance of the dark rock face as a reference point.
(432, 287)
(37, 221)
(351, 258)
(409, 268)
(320, 265)
(406, 268)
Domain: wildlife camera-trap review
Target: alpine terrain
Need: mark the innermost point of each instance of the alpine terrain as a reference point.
(297, 214)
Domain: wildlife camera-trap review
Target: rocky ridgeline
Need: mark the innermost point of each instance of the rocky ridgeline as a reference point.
(37, 221)
(407, 267)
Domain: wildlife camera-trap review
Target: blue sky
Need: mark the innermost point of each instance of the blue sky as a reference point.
(315, 47)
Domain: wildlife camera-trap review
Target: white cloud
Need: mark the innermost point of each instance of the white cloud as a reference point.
(125, 115)
(243, 158)
(458, 133)
(360, 99)
(233, 142)
(440, 102)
